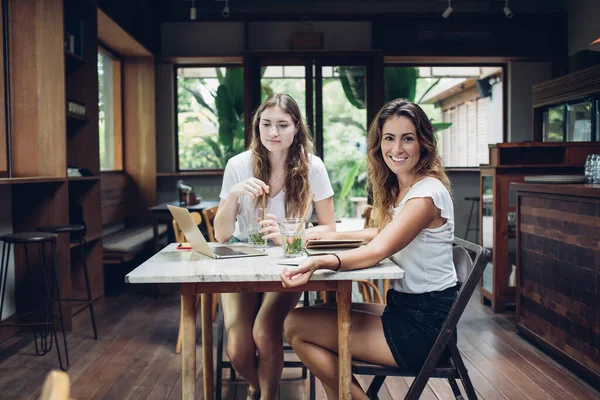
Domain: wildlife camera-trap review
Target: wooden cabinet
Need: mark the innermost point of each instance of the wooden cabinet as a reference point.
(558, 282)
(512, 162)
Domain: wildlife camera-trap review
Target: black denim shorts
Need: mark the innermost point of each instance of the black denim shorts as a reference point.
(412, 322)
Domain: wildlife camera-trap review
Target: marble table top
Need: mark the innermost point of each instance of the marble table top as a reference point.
(186, 266)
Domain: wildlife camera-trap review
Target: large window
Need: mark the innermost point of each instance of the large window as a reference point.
(463, 103)
(210, 116)
(109, 111)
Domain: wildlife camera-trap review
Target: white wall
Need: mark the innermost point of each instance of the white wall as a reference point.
(495, 123)
(583, 23)
(6, 227)
(521, 78)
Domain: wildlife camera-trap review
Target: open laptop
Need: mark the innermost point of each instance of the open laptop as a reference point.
(198, 243)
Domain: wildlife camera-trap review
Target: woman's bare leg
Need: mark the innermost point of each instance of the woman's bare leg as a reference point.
(313, 334)
(239, 312)
(268, 337)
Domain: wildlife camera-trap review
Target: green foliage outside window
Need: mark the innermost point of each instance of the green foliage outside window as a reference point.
(210, 118)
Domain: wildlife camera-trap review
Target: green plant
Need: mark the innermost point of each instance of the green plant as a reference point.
(256, 238)
(227, 113)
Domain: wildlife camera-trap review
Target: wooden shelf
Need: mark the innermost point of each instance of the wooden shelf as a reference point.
(208, 172)
(88, 239)
(35, 179)
(83, 178)
(76, 117)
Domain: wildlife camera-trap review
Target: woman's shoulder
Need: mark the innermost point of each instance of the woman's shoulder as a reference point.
(240, 160)
(430, 183)
(315, 162)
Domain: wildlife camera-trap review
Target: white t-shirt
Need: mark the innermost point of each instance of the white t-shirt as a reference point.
(427, 260)
(239, 168)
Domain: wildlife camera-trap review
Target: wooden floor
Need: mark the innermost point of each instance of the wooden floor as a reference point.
(134, 359)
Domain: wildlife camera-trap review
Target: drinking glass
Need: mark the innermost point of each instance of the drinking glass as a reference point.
(292, 237)
(255, 238)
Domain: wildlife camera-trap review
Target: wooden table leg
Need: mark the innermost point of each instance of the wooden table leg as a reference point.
(344, 303)
(207, 344)
(188, 353)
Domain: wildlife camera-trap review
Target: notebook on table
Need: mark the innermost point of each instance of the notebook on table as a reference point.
(314, 247)
(199, 244)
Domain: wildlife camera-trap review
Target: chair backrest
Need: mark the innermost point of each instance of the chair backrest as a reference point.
(179, 236)
(470, 261)
(369, 292)
(209, 216)
(56, 386)
(367, 216)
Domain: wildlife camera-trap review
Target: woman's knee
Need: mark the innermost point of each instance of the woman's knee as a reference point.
(292, 326)
(267, 336)
(241, 349)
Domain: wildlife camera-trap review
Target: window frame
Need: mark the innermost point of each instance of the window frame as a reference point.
(118, 104)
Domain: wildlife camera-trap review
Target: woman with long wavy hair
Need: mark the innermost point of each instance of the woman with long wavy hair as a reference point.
(280, 165)
(414, 218)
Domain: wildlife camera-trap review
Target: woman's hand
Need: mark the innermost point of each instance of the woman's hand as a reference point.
(251, 187)
(271, 229)
(301, 275)
(316, 235)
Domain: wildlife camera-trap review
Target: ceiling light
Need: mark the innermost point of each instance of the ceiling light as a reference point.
(595, 45)
(507, 11)
(448, 10)
(225, 12)
(193, 14)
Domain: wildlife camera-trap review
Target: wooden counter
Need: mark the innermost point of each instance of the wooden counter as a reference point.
(558, 272)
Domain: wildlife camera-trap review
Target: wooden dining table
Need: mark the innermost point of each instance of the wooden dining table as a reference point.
(200, 274)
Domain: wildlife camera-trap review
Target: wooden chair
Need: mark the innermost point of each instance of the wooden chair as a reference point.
(180, 238)
(209, 216)
(469, 260)
(369, 291)
(56, 386)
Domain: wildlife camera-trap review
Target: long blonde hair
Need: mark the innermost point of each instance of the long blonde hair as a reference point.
(297, 188)
(382, 181)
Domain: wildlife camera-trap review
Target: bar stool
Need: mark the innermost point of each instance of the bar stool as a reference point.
(79, 230)
(474, 201)
(46, 323)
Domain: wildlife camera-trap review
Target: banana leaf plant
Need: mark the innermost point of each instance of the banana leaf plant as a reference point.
(229, 112)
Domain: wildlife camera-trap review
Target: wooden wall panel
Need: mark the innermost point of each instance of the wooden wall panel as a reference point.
(559, 276)
(37, 76)
(140, 130)
(3, 147)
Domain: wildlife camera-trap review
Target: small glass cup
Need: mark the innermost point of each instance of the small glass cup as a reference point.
(292, 237)
(255, 238)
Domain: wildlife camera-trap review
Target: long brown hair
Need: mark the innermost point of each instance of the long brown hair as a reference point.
(382, 181)
(297, 188)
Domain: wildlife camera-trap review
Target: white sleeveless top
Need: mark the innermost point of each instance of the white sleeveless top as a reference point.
(427, 260)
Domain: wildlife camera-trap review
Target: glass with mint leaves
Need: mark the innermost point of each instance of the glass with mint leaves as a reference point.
(292, 237)
(255, 238)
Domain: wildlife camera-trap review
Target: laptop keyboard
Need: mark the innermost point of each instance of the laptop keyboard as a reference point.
(226, 251)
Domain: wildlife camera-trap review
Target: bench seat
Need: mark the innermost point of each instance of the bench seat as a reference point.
(125, 244)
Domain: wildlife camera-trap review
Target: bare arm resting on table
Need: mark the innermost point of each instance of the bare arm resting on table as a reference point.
(417, 214)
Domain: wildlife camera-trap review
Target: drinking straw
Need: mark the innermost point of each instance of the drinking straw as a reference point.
(263, 206)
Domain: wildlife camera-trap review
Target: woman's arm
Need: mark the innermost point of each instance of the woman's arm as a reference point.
(417, 214)
(325, 216)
